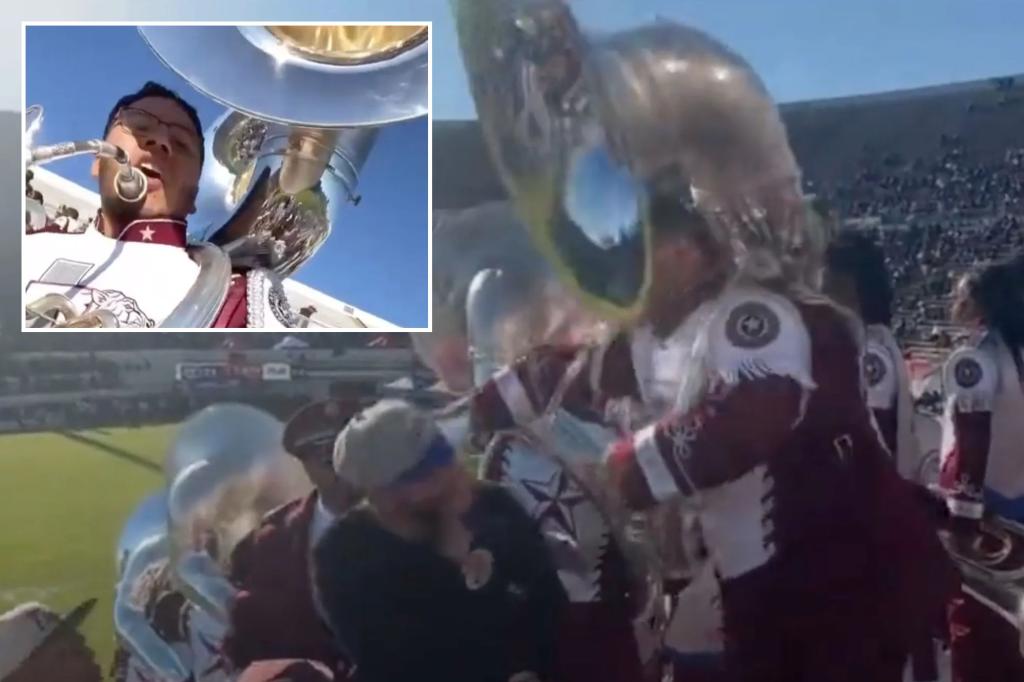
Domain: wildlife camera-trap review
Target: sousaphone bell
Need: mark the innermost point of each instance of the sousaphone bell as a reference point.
(586, 130)
(304, 105)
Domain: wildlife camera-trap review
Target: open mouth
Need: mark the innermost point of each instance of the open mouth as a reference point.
(152, 174)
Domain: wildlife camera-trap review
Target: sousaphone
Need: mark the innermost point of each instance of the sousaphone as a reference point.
(304, 105)
(586, 130)
(992, 567)
(142, 574)
(226, 468)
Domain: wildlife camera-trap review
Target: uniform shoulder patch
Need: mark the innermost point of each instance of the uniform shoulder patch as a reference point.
(752, 324)
(967, 372)
(971, 377)
(880, 379)
(756, 333)
(874, 368)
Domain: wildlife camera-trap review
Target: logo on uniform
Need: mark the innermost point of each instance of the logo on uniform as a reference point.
(967, 372)
(752, 325)
(125, 308)
(874, 369)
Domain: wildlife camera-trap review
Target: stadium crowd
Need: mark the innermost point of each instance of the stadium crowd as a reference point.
(935, 219)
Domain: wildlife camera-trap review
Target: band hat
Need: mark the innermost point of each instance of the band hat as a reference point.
(312, 430)
(390, 443)
(28, 626)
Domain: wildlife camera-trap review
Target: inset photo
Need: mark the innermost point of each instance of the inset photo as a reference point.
(213, 176)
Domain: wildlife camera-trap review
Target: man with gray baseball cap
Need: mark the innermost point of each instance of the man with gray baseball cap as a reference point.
(435, 576)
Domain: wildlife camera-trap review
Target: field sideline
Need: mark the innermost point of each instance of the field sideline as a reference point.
(65, 498)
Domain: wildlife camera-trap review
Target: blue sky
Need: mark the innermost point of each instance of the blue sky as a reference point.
(376, 258)
(802, 48)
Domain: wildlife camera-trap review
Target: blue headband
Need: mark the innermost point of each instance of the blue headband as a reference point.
(438, 455)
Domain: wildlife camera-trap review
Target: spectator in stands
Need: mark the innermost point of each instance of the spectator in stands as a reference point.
(436, 577)
(274, 614)
(983, 468)
(67, 219)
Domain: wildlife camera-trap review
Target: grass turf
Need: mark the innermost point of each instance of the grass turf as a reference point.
(64, 499)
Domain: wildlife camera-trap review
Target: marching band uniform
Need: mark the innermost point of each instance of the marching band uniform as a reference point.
(274, 614)
(891, 403)
(889, 397)
(813, 536)
(142, 275)
(596, 638)
(982, 470)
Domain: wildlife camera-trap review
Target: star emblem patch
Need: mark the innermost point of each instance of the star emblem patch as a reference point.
(556, 497)
(752, 325)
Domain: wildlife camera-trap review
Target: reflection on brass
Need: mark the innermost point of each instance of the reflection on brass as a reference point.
(347, 44)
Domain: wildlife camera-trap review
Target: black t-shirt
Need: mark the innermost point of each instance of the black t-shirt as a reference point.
(403, 612)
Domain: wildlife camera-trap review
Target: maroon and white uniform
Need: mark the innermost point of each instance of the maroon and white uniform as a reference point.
(596, 638)
(983, 470)
(889, 397)
(141, 276)
(983, 430)
(813, 536)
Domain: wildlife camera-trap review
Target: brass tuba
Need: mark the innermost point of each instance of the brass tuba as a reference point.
(585, 131)
(142, 573)
(303, 108)
(992, 567)
(226, 468)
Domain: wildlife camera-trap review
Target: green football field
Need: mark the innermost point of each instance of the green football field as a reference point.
(64, 499)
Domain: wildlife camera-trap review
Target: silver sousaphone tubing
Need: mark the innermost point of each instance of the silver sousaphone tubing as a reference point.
(996, 577)
(304, 104)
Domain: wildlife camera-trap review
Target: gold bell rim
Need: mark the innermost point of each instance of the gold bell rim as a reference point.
(349, 44)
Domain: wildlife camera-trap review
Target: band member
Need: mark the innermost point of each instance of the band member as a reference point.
(596, 636)
(982, 468)
(856, 276)
(599, 637)
(274, 614)
(818, 545)
(435, 577)
(133, 263)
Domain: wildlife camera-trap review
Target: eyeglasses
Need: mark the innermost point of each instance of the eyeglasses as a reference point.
(142, 123)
